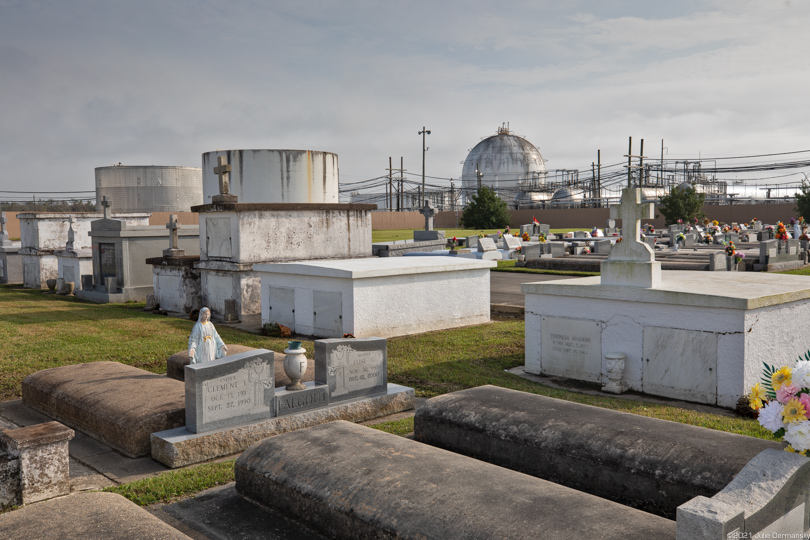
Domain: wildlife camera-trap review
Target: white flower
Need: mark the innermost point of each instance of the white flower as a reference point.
(770, 416)
(801, 374)
(798, 435)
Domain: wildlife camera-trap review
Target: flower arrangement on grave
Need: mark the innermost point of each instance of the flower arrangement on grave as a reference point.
(696, 221)
(738, 257)
(782, 400)
(453, 243)
(707, 239)
(687, 228)
(715, 222)
(736, 230)
(680, 221)
(585, 250)
(542, 238)
(500, 234)
(753, 220)
(730, 251)
(618, 239)
(680, 237)
(526, 237)
(781, 232)
(506, 231)
(769, 228)
(792, 222)
(726, 228)
(706, 222)
(804, 236)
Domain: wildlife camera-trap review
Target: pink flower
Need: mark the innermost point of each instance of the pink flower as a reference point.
(805, 400)
(786, 393)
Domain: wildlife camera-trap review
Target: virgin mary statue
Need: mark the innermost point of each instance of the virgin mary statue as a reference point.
(204, 344)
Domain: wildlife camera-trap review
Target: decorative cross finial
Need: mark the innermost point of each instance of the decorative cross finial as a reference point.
(222, 169)
(4, 240)
(631, 211)
(71, 233)
(105, 202)
(173, 226)
(428, 211)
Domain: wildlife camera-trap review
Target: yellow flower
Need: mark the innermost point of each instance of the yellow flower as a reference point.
(794, 411)
(756, 396)
(780, 377)
(790, 449)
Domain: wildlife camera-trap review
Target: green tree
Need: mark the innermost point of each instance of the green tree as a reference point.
(803, 200)
(682, 203)
(486, 211)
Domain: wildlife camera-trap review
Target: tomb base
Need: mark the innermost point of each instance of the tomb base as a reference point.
(375, 297)
(700, 336)
(221, 281)
(427, 236)
(631, 273)
(179, 447)
(11, 265)
(175, 282)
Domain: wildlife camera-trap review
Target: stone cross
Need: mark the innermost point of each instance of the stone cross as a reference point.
(4, 241)
(631, 211)
(105, 202)
(173, 225)
(222, 169)
(71, 233)
(428, 211)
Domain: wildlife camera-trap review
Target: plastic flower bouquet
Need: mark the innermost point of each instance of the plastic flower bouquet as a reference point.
(738, 257)
(526, 237)
(781, 232)
(730, 251)
(782, 400)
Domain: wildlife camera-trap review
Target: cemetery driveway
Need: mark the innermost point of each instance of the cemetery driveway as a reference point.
(504, 287)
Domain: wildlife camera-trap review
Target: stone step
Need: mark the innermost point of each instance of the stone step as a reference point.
(646, 463)
(349, 481)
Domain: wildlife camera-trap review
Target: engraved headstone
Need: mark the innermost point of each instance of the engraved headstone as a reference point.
(352, 367)
(233, 390)
(486, 244)
(510, 242)
(767, 250)
(571, 348)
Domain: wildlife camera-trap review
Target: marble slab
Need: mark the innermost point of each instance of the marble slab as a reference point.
(571, 348)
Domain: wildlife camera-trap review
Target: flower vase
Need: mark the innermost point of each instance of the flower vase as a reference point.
(614, 373)
(295, 365)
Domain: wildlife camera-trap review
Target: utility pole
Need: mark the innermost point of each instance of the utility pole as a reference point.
(478, 175)
(599, 175)
(662, 162)
(641, 165)
(452, 198)
(400, 195)
(629, 164)
(390, 184)
(423, 133)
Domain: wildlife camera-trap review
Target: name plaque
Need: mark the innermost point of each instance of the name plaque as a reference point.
(230, 391)
(352, 367)
(571, 348)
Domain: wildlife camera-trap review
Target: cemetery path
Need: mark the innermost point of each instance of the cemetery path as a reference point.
(504, 287)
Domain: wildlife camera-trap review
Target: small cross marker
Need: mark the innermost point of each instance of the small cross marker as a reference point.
(105, 203)
(223, 170)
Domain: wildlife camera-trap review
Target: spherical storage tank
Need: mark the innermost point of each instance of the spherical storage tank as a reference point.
(504, 160)
(275, 176)
(149, 188)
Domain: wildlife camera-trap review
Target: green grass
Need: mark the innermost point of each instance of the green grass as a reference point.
(798, 271)
(173, 485)
(389, 235)
(399, 427)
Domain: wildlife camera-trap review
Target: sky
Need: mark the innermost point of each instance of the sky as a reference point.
(90, 83)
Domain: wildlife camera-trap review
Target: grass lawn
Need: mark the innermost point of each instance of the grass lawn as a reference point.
(43, 331)
(389, 235)
(509, 266)
(798, 271)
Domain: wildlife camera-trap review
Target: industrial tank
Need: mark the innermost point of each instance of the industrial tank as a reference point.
(149, 188)
(275, 176)
(503, 160)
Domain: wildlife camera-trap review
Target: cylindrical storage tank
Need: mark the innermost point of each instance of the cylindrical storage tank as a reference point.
(275, 176)
(149, 188)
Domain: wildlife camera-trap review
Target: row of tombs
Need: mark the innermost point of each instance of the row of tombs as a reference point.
(485, 462)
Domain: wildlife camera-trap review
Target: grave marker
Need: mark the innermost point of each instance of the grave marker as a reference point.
(105, 203)
(174, 249)
(486, 244)
(222, 170)
(631, 262)
(352, 367)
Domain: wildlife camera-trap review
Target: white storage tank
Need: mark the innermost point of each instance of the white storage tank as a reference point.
(149, 188)
(275, 176)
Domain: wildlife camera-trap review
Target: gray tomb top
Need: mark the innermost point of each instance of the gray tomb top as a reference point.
(428, 211)
(352, 367)
(486, 244)
(230, 391)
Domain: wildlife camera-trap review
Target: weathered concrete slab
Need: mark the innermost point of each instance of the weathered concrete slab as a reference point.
(350, 481)
(117, 404)
(179, 447)
(176, 363)
(90, 516)
(642, 462)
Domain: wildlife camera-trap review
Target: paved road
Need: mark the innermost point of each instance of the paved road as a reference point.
(504, 287)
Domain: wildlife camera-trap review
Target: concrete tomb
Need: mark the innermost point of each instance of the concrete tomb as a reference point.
(402, 247)
(350, 481)
(645, 463)
(696, 336)
(34, 463)
(117, 404)
(73, 263)
(375, 297)
(120, 250)
(233, 402)
(11, 266)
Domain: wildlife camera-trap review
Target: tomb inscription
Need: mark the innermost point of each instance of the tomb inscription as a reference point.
(351, 367)
(571, 348)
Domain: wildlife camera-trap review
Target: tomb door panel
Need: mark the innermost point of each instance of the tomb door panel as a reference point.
(281, 308)
(2, 269)
(327, 313)
(218, 237)
(106, 258)
(680, 364)
(68, 274)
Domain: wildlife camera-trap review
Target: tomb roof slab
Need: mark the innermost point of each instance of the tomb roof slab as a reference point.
(376, 267)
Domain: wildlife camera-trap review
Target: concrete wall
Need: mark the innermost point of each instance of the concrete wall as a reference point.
(585, 218)
(157, 218)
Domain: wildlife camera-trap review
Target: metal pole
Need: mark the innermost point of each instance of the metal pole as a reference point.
(629, 164)
(423, 133)
(662, 162)
(641, 164)
(390, 184)
(599, 173)
(401, 180)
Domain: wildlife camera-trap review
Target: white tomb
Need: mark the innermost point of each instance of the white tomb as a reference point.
(696, 336)
(72, 262)
(375, 296)
(10, 259)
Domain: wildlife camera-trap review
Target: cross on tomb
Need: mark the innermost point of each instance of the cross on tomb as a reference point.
(222, 169)
(173, 226)
(71, 233)
(105, 203)
(631, 211)
(428, 211)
